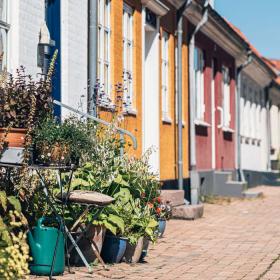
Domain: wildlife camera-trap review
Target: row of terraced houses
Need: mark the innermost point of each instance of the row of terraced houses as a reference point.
(196, 89)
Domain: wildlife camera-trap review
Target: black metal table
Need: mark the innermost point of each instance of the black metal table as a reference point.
(59, 169)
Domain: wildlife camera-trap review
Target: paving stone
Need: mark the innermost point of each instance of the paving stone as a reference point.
(240, 240)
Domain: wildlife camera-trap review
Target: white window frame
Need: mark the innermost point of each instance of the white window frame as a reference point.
(226, 96)
(103, 50)
(247, 115)
(165, 77)
(258, 115)
(128, 49)
(4, 28)
(199, 83)
(254, 119)
(176, 81)
(250, 113)
(243, 122)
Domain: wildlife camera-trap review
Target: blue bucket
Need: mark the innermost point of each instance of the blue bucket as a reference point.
(161, 227)
(113, 249)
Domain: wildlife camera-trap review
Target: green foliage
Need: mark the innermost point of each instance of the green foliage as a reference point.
(14, 251)
(62, 142)
(127, 179)
(18, 95)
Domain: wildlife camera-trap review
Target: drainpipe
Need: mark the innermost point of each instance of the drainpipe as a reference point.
(268, 125)
(193, 172)
(241, 177)
(92, 54)
(180, 13)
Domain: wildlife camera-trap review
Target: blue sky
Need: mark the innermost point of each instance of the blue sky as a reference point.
(259, 20)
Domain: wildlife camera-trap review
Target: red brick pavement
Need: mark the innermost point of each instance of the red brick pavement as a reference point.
(240, 240)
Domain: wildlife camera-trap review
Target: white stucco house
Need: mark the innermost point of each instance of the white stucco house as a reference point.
(274, 93)
(259, 127)
(20, 24)
(259, 119)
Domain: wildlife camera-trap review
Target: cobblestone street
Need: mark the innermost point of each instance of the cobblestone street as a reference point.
(237, 240)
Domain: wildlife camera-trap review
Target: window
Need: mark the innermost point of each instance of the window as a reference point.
(103, 68)
(165, 76)
(128, 56)
(254, 117)
(247, 115)
(176, 81)
(226, 97)
(4, 27)
(243, 119)
(199, 83)
(258, 114)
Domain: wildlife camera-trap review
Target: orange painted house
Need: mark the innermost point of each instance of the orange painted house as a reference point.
(137, 47)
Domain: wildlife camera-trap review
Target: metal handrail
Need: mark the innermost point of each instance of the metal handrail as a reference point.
(120, 130)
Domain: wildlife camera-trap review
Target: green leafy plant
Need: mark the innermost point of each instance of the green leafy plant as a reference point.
(14, 251)
(127, 179)
(62, 142)
(16, 94)
(127, 218)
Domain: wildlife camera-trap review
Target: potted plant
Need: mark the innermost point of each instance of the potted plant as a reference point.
(111, 226)
(129, 180)
(163, 212)
(23, 103)
(142, 224)
(61, 143)
(131, 183)
(113, 218)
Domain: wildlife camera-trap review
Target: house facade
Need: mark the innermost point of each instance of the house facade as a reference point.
(254, 128)
(218, 52)
(257, 126)
(254, 125)
(67, 24)
(129, 42)
(135, 43)
(141, 53)
(274, 93)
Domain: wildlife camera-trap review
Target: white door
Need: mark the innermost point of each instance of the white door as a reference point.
(151, 94)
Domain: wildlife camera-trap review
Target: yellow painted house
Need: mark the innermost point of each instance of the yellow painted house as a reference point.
(137, 47)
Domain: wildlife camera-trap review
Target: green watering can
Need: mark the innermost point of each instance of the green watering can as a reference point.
(42, 242)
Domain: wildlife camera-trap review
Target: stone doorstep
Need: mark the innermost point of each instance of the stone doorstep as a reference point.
(175, 197)
(252, 194)
(188, 212)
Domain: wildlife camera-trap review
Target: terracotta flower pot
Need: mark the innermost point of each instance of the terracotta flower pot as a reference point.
(58, 153)
(15, 137)
(95, 234)
(133, 253)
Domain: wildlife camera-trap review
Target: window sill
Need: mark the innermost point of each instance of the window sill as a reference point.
(104, 106)
(166, 120)
(256, 141)
(227, 129)
(183, 123)
(202, 123)
(250, 140)
(130, 112)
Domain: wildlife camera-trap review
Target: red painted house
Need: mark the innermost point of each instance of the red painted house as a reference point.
(215, 141)
(217, 52)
